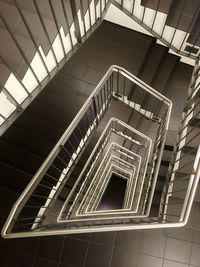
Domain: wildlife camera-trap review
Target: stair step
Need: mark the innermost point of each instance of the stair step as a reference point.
(63, 104)
(40, 127)
(186, 11)
(161, 6)
(28, 141)
(14, 178)
(19, 158)
(165, 71)
(48, 114)
(150, 71)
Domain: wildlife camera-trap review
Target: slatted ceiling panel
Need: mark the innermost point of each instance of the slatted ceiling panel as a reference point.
(48, 59)
(16, 89)
(38, 67)
(29, 6)
(4, 73)
(66, 40)
(35, 26)
(58, 9)
(11, 55)
(6, 108)
(12, 15)
(29, 81)
(49, 22)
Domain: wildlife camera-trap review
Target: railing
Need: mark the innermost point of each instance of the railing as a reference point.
(71, 23)
(96, 165)
(183, 175)
(31, 215)
(154, 16)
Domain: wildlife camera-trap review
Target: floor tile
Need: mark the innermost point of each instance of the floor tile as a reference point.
(4, 258)
(128, 240)
(50, 247)
(6, 244)
(80, 236)
(123, 258)
(195, 255)
(152, 245)
(178, 250)
(98, 255)
(43, 263)
(168, 263)
(196, 237)
(74, 252)
(20, 260)
(25, 245)
(149, 261)
(106, 238)
(180, 233)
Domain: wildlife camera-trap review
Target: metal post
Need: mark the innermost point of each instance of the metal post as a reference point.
(11, 98)
(16, 75)
(67, 22)
(45, 30)
(57, 26)
(19, 47)
(76, 22)
(31, 35)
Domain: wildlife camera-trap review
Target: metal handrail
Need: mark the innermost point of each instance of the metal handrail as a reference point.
(49, 160)
(149, 21)
(179, 160)
(75, 39)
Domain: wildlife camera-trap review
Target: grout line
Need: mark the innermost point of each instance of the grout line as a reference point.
(86, 253)
(139, 248)
(112, 250)
(165, 245)
(61, 251)
(190, 251)
(36, 250)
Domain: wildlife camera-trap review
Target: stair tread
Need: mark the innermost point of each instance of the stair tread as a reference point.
(19, 157)
(187, 13)
(38, 126)
(153, 4)
(28, 141)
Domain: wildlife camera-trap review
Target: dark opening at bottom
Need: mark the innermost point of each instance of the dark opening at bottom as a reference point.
(113, 196)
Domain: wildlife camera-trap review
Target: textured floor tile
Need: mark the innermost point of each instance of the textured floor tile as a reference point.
(178, 250)
(50, 247)
(42, 263)
(152, 245)
(106, 238)
(180, 233)
(195, 255)
(98, 255)
(20, 260)
(123, 258)
(168, 263)
(148, 261)
(25, 246)
(128, 240)
(74, 252)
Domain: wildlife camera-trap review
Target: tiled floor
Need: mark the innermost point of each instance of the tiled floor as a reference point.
(122, 249)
